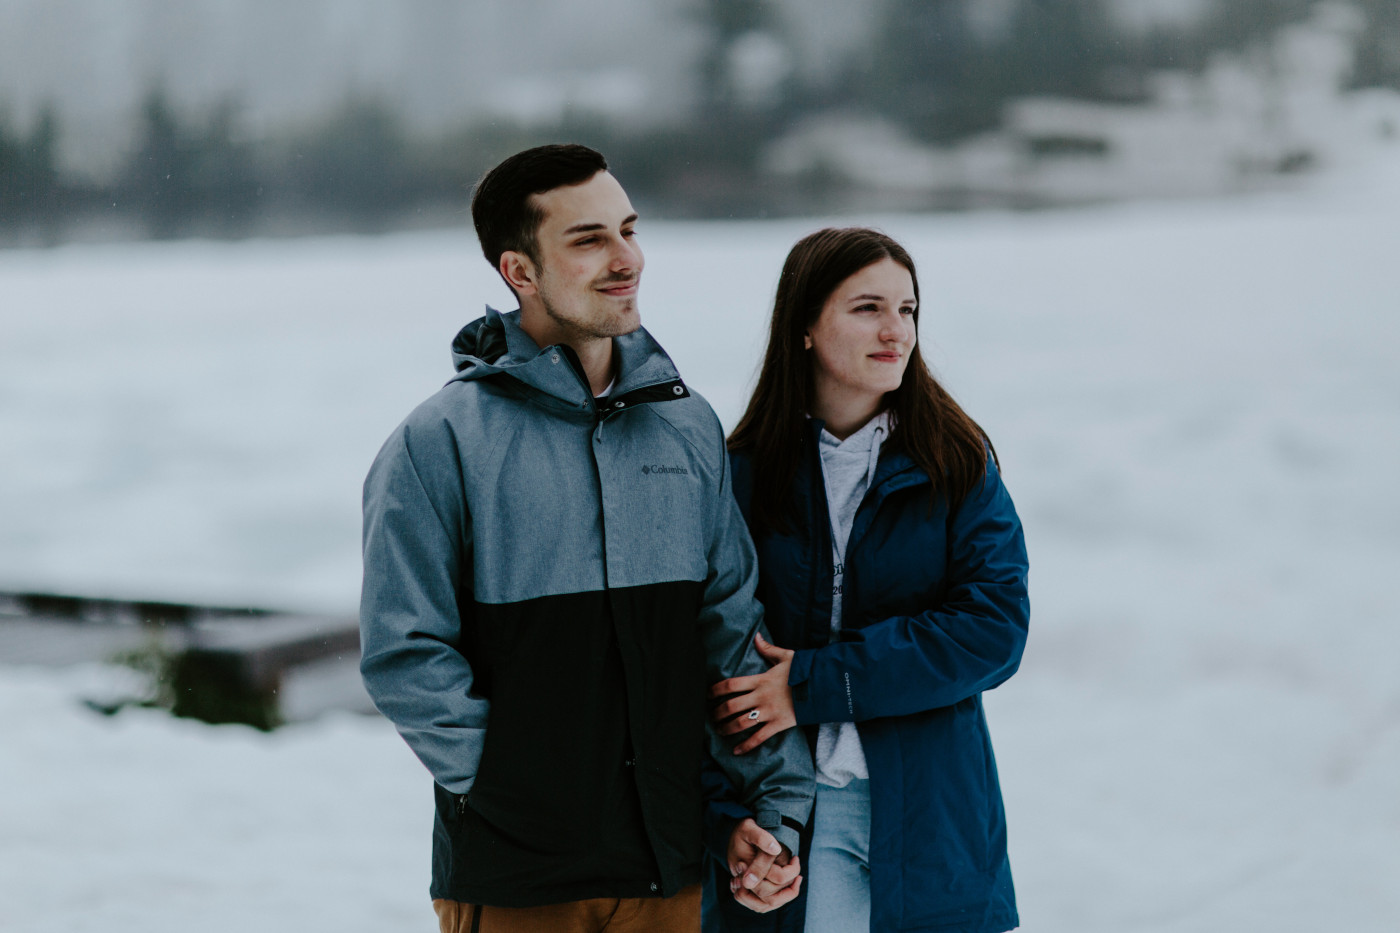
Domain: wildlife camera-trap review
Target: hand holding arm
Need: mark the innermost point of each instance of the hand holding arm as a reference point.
(762, 700)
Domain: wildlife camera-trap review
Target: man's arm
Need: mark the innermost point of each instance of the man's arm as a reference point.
(775, 781)
(415, 600)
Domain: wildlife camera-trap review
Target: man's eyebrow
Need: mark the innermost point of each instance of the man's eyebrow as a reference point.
(590, 227)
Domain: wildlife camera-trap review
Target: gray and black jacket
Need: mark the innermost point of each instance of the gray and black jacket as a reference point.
(550, 585)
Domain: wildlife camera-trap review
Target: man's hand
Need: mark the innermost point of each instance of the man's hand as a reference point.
(763, 701)
(763, 874)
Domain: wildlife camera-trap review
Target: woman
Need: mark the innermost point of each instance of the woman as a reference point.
(893, 576)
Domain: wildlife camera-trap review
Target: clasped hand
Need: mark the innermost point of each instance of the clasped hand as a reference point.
(763, 875)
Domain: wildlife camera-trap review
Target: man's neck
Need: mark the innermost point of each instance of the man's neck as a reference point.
(595, 354)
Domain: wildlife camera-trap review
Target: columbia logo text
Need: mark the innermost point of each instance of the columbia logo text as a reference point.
(656, 468)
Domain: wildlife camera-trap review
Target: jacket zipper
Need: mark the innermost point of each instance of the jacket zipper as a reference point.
(821, 558)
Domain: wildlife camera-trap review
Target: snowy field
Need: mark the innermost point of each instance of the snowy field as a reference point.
(1197, 408)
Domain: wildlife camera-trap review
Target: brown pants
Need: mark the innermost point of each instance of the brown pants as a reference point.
(678, 914)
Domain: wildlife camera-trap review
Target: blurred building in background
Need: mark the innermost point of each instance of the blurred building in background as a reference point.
(204, 117)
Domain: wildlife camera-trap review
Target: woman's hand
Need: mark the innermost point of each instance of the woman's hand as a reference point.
(763, 700)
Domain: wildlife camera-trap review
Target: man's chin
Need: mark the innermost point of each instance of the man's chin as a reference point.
(626, 321)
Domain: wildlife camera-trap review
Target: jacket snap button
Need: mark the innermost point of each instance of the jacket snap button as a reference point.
(655, 887)
(554, 357)
(677, 389)
(618, 404)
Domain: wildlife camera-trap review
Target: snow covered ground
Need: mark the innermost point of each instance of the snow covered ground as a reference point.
(1197, 408)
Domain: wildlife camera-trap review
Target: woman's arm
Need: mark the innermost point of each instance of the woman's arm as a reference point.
(970, 643)
(907, 664)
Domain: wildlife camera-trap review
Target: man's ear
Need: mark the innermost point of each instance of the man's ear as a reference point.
(519, 272)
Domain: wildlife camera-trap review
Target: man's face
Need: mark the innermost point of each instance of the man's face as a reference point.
(590, 264)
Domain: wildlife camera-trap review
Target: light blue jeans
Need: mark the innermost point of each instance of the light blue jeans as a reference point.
(838, 870)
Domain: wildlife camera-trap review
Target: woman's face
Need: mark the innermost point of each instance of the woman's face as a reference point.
(861, 342)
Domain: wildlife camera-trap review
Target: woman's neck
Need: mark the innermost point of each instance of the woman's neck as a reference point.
(846, 415)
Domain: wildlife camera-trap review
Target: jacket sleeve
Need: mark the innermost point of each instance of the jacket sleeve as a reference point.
(723, 811)
(971, 642)
(414, 602)
(778, 774)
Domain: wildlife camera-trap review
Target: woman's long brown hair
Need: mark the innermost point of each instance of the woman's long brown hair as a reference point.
(929, 426)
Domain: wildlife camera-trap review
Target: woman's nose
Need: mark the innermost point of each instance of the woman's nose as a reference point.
(892, 326)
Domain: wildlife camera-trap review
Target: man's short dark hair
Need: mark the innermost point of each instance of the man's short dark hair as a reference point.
(504, 215)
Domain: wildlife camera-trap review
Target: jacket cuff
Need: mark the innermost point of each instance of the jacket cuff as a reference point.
(834, 702)
(788, 837)
(784, 828)
(800, 680)
(722, 818)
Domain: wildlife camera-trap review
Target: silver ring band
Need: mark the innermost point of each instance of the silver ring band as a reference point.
(753, 714)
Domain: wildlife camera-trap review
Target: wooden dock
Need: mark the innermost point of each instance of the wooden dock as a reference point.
(218, 664)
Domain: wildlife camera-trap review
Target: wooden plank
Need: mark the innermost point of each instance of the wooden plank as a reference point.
(225, 664)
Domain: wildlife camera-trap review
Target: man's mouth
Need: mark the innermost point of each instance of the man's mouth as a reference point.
(620, 289)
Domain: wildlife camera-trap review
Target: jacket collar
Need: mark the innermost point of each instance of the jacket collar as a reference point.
(895, 471)
(496, 344)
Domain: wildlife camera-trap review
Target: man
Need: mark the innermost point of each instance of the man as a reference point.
(555, 570)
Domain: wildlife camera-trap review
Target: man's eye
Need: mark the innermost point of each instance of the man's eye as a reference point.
(587, 241)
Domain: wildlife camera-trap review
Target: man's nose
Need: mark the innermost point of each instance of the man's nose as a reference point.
(627, 256)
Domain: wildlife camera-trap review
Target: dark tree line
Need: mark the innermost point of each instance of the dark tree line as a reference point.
(30, 189)
(929, 69)
(1378, 56)
(189, 177)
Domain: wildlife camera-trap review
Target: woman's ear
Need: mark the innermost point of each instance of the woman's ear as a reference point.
(806, 341)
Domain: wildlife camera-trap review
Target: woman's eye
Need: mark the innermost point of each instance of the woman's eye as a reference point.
(906, 310)
(866, 308)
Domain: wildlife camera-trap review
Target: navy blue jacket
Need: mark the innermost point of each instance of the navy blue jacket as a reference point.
(934, 612)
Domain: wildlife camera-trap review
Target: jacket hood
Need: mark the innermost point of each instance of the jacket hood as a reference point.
(495, 344)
